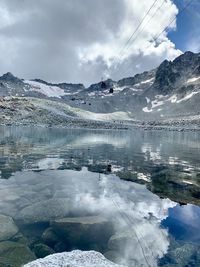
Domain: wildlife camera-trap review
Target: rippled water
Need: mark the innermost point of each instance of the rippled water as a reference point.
(132, 195)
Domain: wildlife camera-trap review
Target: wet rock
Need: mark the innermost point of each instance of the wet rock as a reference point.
(7, 227)
(49, 237)
(20, 238)
(119, 240)
(113, 256)
(13, 254)
(84, 232)
(44, 211)
(42, 250)
(33, 232)
(60, 247)
(130, 176)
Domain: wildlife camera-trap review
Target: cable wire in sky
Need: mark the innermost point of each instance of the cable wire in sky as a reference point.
(165, 28)
(137, 28)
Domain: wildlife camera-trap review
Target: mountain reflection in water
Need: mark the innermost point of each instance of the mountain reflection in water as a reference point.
(32, 197)
(56, 180)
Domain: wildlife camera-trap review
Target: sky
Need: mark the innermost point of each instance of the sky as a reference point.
(187, 34)
(85, 41)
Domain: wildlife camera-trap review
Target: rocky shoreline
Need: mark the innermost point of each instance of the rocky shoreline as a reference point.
(109, 126)
(23, 111)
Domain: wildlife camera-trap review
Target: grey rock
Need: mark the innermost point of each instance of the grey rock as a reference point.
(20, 238)
(114, 256)
(83, 231)
(14, 254)
(42, 250)
(7, 227)
(45, 211)
(49, 237)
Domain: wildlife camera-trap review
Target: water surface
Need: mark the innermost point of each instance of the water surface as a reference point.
(142, 212)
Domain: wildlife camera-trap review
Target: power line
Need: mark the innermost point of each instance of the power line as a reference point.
(127, 44)
(137, 28)
(125, 217)
(147, 22)
(180, 12)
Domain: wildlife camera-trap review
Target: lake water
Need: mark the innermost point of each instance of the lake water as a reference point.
(132, 195)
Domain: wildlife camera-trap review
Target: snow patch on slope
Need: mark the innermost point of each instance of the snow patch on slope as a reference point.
(65, 110)
(118, 115)
(150, 81)
(161, 100)
(187, 97)
(174, 98)
(146, 109)
(192, 80)
(49, 91)
(148, 100)
(155, 103)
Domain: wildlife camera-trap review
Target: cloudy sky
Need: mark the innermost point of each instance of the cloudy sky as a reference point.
(84, 41)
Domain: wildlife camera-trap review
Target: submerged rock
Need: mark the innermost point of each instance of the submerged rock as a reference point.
(73, 259)
(84, 232)
(120, 240)
(49, 237)
(132, 245)
(60, 247)
(114, 256)
(44, 211)
(13, 254)
(7, 227)
(42, 250)
(20, 238)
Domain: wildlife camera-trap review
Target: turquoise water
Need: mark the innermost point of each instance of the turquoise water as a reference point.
(142, 210)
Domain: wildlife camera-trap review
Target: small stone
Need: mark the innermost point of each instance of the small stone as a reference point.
(60, 247)
(49, 237)
(42, 250)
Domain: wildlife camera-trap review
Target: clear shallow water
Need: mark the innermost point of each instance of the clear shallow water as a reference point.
(51, 174)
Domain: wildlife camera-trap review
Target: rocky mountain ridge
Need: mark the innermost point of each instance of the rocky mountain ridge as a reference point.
(169, 92)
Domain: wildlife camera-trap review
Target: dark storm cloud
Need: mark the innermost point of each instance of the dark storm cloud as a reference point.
(43, 38)
(57, 21)
(48, 33)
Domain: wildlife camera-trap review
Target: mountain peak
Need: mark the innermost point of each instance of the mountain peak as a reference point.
(188, 56)
(9, 77)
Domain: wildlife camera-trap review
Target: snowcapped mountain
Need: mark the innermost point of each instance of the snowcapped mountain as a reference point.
(169, 92)
(13, 86)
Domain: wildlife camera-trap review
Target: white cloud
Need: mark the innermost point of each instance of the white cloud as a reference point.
(134, 211)
(79, 41)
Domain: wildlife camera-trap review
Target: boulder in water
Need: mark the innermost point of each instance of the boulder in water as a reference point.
(7, 227)
(13, 254)
(84, 232)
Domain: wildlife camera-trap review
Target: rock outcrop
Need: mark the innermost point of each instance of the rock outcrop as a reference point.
(73, 259)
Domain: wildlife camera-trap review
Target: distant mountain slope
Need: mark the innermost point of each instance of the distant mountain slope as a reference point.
(170, 91)
(35, 111)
